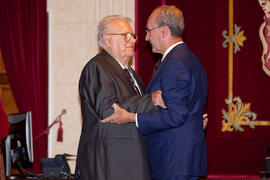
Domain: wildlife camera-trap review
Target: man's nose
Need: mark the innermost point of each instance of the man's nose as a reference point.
(132, 39)
(147, 36)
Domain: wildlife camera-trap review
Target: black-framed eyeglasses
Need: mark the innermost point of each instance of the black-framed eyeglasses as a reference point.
(127, 36)
(149, 30)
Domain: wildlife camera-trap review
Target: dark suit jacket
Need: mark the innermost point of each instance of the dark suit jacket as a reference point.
(110, 151)
(175, 136)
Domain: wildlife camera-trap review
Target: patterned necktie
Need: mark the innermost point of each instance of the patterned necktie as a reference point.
(131, 80)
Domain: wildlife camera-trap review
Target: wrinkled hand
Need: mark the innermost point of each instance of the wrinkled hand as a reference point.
(120, 116)
(157, 99)
(205, 121)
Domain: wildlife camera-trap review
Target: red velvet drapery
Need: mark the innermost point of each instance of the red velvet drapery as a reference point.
(24, 46)
(229, 153)
(3, 122)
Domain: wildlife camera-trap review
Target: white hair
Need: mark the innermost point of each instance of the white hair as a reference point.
(103, 26)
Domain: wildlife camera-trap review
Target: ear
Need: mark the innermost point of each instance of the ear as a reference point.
(106, 41)
(165, 31)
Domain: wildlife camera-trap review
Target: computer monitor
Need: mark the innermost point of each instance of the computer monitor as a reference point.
(18, 144)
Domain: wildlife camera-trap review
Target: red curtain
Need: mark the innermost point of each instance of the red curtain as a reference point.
(229, 153)
(24, 45)
(3, 122)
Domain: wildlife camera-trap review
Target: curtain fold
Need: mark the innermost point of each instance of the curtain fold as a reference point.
(24, 46)
(3, 122)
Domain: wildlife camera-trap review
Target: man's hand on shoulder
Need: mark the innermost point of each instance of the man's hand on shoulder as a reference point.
(205, 121)
(157, 99)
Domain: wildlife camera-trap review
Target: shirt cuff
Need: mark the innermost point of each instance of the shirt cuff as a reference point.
(136, 120)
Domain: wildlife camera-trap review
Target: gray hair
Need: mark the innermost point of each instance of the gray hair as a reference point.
(172, 17)
(103, 26)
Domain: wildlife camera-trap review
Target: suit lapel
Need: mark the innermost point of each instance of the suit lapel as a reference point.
(154, 78)
(156, 75)
(121, 74)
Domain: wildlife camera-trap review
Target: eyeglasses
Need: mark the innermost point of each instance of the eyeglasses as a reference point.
(149, 30)
(127, 36)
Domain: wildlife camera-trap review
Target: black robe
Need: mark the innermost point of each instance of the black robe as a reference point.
(110, 151)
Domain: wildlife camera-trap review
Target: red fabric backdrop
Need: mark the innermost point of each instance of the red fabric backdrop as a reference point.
(24, 46)
(228, 152)
(3, 122)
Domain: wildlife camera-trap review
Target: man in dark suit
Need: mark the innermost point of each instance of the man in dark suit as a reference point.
(175, 138)
(111, 151)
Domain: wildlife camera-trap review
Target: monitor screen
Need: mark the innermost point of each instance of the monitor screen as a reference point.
(19, 143)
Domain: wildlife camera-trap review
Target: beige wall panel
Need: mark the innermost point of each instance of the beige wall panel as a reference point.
(68, 11)
(69, 49)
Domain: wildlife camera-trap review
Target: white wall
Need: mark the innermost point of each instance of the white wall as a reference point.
(72, 42)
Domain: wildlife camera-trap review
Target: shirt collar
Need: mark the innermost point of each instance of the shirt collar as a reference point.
(169, 49)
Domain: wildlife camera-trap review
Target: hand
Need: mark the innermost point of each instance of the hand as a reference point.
(157, 99)
(120, 116)
(205, 121)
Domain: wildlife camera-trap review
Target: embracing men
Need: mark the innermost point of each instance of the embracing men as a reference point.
(174, 135)
(172, 125)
